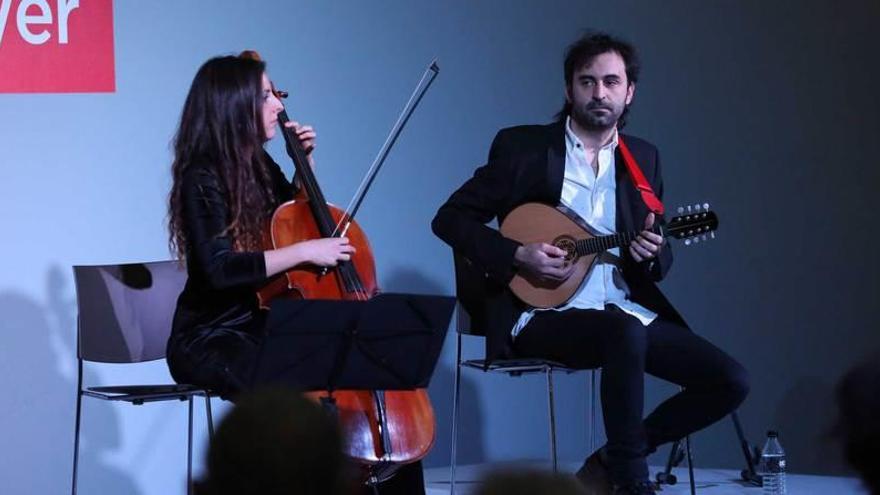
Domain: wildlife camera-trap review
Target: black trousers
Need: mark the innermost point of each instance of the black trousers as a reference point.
(221, 358)
(714, 383)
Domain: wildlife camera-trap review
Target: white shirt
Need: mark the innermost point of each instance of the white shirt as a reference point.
(593, 197)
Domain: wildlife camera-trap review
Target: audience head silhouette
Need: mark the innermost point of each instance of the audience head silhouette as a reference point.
(858, 403)
(274, 442)
(529, 482)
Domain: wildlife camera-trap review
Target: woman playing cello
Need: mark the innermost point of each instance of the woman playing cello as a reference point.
(225, 189)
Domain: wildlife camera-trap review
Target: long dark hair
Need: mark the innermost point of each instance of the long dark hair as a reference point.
(221, 128)
(589, 46)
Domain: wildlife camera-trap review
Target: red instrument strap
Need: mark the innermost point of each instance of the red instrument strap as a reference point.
(651, 201)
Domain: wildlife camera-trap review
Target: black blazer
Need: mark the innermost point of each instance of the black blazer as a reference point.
(527, 164)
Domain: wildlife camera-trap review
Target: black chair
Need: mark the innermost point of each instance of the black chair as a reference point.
(124, 316)
(469, 287)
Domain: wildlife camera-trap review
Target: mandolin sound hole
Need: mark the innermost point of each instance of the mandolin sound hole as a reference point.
(567, 244)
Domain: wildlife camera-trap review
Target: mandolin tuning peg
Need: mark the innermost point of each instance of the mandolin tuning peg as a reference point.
(704, 238)
(687, 242)
(696, 239)
(689, 209)
(680, 210)
(712, 234)
(698, 207)
(706, 206)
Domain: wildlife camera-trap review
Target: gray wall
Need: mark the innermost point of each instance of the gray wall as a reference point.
(765, 109)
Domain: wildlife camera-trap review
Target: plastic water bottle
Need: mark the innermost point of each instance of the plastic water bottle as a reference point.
(772, 465)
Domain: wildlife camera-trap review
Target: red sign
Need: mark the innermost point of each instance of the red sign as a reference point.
(56, 46)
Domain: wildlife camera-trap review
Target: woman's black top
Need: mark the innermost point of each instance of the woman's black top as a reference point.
(218, 321)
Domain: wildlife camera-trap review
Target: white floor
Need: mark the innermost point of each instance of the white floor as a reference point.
(709, 481)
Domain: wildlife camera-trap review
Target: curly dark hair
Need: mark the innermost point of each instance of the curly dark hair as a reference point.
(221, 128)
(589, 46)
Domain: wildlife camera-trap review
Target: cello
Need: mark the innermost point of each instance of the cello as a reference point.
(384, 430)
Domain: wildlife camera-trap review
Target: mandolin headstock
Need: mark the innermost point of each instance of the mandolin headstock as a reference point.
(693, 224)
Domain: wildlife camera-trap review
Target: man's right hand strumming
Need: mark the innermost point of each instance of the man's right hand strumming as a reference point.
(543, 261)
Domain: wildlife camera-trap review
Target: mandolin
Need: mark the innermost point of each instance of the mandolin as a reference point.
(561, 227)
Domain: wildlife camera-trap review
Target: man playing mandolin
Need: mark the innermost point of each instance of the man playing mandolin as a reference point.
(617, 318)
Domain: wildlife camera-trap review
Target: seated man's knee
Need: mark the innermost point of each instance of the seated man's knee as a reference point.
(628, 338)
(738, 383)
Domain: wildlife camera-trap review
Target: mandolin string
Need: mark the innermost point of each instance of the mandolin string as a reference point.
(700, 224)
(595, 245)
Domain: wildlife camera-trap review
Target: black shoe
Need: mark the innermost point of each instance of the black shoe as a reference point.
(594, 475)
(638, 488)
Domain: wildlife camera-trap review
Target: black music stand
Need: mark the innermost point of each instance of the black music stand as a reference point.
(390, 342)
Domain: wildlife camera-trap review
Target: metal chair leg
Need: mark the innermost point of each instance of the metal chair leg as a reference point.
(687, 443)
(76, 440)
(552, 412)
(455, 406)
(593, 401)
(189, 445)
(210, 417)
(747, 474)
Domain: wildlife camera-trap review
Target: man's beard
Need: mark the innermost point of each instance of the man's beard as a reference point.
(589, 117)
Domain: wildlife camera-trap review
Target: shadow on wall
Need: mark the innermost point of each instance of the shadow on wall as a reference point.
(470, 440)
(38, 376)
